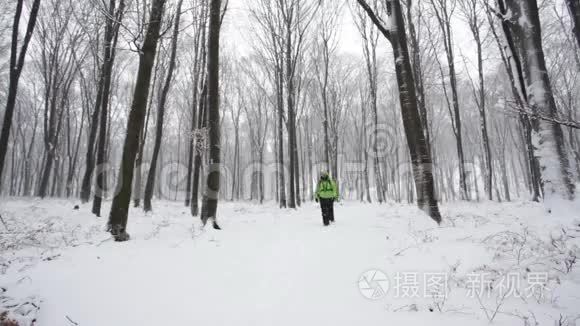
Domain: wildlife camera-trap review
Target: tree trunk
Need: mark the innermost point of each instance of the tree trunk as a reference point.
(574, 8)
(16, 65)
(138, 180)
(210, 197)
(417, 144)
(325, 107)
(280, 168)
(53, 124)
(376, 163)
(514, 70)
(198, 74)
(472, 11)
(443, 16)
(74, 158)
(291, 125)
(94, 127)
(161, 113)
(120, 205)
(417, 66)
(310, 155)
(202, 123)
(111, 34)
(552, 156)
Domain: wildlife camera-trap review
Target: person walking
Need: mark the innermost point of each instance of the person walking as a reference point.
(326, 194)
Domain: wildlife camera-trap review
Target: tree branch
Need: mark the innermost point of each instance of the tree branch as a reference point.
(533, 115)
(376, 20)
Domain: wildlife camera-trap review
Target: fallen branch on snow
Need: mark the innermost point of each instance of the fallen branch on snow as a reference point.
(71, 321)
(4, 223)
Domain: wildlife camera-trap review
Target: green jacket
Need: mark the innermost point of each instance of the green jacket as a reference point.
(326, 189)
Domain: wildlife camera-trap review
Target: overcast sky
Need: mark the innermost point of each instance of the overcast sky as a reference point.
(237, 31)
(238, 20)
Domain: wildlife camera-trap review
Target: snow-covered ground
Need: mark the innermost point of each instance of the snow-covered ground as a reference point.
(378, 265)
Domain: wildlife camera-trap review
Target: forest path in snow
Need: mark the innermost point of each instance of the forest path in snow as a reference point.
(266, 267)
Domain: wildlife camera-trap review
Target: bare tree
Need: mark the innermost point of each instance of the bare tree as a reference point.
(297, 17)
(60, 35)
(235, 114)
(514, 70)
(111, 36)
(210, 197)
(197, 76)
(16, 64)
(554, 161)
(370, 37)
(416, 63)
(200, 135)
(270, 46)
(473, 12)
(417, 144)
(326, 47)
(161, 111)
(113, 20)
(120, 206)
(257, 116)
(443, 12)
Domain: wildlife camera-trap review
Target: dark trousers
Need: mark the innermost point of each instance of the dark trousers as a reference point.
(327, 206)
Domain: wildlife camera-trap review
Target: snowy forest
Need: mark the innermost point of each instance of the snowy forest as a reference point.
(441, 134)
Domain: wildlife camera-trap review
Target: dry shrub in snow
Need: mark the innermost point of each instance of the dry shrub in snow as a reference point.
(48, 233)
(15, 312)
(528, 251)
